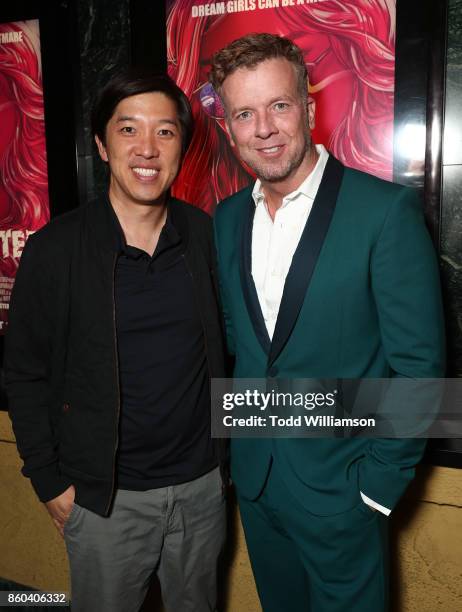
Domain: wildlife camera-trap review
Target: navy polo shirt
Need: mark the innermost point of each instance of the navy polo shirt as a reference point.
(164, 435)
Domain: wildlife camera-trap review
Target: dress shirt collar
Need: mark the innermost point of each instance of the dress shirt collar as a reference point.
(308, 188)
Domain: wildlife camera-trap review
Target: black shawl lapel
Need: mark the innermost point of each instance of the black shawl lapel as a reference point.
(306, 255)
(247, 282)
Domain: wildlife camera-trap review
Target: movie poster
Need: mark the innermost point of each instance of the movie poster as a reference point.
(349, 48)
(24, 204)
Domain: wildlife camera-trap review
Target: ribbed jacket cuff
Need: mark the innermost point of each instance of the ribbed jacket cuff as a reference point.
(48, 482)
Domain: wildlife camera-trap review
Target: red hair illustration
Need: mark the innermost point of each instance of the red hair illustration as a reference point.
(24, 204)
(348, 46)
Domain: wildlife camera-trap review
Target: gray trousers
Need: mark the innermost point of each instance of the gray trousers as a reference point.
(177, 532)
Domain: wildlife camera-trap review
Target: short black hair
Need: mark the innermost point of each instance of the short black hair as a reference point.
(135, 81)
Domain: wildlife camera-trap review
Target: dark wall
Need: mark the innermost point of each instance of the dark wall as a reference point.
(451, 201)
(449, 452)
(103, 47)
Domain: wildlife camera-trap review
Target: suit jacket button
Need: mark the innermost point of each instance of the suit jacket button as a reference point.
(273, 371)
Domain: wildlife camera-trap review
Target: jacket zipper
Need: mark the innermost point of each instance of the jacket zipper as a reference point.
(224, 475)
(188, 269)
(207, 357)
(117, 385)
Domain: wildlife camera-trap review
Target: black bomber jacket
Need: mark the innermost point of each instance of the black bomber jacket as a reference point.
(61, 367)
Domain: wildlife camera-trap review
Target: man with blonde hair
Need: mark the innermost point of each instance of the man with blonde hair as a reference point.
(326, 272)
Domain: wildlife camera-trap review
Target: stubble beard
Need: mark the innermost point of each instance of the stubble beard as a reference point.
(273, 173)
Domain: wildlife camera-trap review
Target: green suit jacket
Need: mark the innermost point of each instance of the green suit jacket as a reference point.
(361, 300)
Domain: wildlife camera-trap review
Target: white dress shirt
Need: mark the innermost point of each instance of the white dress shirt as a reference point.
(274, 245)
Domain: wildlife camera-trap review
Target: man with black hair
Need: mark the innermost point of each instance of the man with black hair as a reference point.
(114, 334)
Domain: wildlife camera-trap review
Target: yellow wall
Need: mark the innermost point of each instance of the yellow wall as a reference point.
(426, 541)
(32, 552)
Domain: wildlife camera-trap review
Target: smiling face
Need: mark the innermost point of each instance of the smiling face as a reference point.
(143, 149)
(268, 121)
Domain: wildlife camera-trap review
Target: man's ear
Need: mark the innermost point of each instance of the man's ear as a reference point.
(101, 149)
(311, 108)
